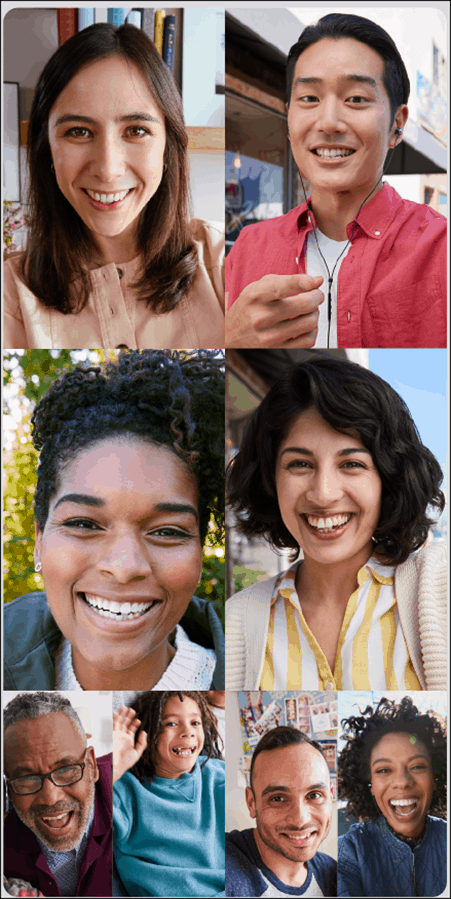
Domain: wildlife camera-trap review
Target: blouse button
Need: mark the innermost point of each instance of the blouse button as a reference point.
(377, 233)
(120, 272)
(330, 685)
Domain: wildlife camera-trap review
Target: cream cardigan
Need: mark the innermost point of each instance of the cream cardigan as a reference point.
(420, 587)
(113, 317)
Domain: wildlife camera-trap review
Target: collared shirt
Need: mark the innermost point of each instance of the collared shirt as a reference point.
(371, 655)
(66, 865)
(391, 286)
(113, 316)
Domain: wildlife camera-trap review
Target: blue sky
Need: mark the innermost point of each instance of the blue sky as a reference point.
(420, 378)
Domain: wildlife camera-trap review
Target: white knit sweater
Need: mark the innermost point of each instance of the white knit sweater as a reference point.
(421, 594)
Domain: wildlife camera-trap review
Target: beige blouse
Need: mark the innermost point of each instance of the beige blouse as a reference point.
(113, 316)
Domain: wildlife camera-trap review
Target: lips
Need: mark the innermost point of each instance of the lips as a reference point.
(403, 807)
(333, 152)
(184, 751)
(299, 839)
(328, 524)
(57, 822)
(123, 611)
(107, 201)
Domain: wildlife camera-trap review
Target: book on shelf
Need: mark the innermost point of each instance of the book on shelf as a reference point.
(159, 30)
(116, 15)
(170, 25)
(148, 22)
(85, 17)
(67, 20)
(135, 18)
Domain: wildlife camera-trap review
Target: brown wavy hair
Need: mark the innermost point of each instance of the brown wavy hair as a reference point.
(149, 708)
(59, 244)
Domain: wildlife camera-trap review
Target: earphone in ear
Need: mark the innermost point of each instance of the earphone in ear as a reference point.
(398, 131)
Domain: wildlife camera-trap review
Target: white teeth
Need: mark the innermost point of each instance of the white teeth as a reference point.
(331, 154)
(107, 199)
(403, 802)
(327, 524)
(183, 752)
(119, 611)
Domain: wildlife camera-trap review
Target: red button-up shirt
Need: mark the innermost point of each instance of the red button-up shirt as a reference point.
(391, 286)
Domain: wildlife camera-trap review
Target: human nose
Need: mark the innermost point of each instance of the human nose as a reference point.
(324, 488)
(50, 794)
(301, 814)
(108, 160)
(125, 559)
(329, 119)
(402, 777)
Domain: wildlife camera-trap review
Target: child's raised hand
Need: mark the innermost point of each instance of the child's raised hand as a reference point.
(126, 748)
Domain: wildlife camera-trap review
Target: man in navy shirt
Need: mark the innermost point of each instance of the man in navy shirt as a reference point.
(290, 799)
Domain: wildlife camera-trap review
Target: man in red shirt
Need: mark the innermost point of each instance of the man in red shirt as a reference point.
(381, 260)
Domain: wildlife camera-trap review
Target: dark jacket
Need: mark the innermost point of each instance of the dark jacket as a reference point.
(24, 858)
(31, 636)
(372, 861)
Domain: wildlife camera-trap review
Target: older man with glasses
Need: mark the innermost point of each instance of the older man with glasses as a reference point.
(58, 836)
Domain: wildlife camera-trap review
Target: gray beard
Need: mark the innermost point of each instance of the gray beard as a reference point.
(81, 810)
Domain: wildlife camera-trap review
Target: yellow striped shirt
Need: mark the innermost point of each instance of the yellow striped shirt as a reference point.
(371, 655)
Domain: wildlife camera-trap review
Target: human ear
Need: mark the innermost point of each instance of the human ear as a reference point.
(250, 802)
(92, 761)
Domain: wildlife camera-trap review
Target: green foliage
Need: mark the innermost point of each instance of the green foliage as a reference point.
(244, 577)
(212, 581)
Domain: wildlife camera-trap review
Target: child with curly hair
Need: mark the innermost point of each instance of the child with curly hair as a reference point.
(168, 797)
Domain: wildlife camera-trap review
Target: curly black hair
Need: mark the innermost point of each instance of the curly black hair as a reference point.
(354, 401)
(363, 733)
(170, 397)
(149, 708)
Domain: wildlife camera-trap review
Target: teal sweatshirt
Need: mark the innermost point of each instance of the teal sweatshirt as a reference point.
(168, 836)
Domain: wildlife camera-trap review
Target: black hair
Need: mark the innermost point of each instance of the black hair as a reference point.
(363, 732)
(149, 708)
(172, 398)
(338, 26)
(280, 738)
(59, 245)
(354, 401)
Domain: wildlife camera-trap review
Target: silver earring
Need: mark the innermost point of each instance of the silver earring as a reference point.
(370, 785)
(38, 567)
(374, 539)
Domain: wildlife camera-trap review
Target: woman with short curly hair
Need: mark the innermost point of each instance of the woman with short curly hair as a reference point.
(392, 772)
(331, 463)
(112, 257)
(130, 472)
(168, 797)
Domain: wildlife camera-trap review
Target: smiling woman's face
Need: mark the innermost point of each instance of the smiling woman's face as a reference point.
(121, 557)
(329, 491)
(402, 782)
(107, 139)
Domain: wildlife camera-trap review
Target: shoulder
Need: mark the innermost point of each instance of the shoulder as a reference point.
(28, 618)
(428, 562)
(437, 828)
(253, 596)
(283, 227)
(418, 214)
(243, 877)
(325, 870)
(212, 771)
(358, 836)
(209, 234)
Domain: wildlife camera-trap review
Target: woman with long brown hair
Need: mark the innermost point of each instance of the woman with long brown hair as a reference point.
(112, 257)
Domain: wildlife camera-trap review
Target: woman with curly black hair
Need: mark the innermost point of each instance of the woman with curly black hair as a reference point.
(168, 796)
(392, 772)
(112, 257)
(332, 463)
(130, 472)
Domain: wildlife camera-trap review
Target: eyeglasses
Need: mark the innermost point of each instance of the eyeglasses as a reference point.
(62, 777)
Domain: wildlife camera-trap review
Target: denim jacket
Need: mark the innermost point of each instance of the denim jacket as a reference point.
(372, 861)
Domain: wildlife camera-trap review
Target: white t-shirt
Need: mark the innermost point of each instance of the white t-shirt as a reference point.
(314, 265)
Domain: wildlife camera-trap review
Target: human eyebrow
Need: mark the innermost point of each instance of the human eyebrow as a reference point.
(275, 789)
(130, 117)
(83, 499)
(24, 770)
(176, 507)
(419, 755)
(351, 450)
(297, 449)
(342, 79)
